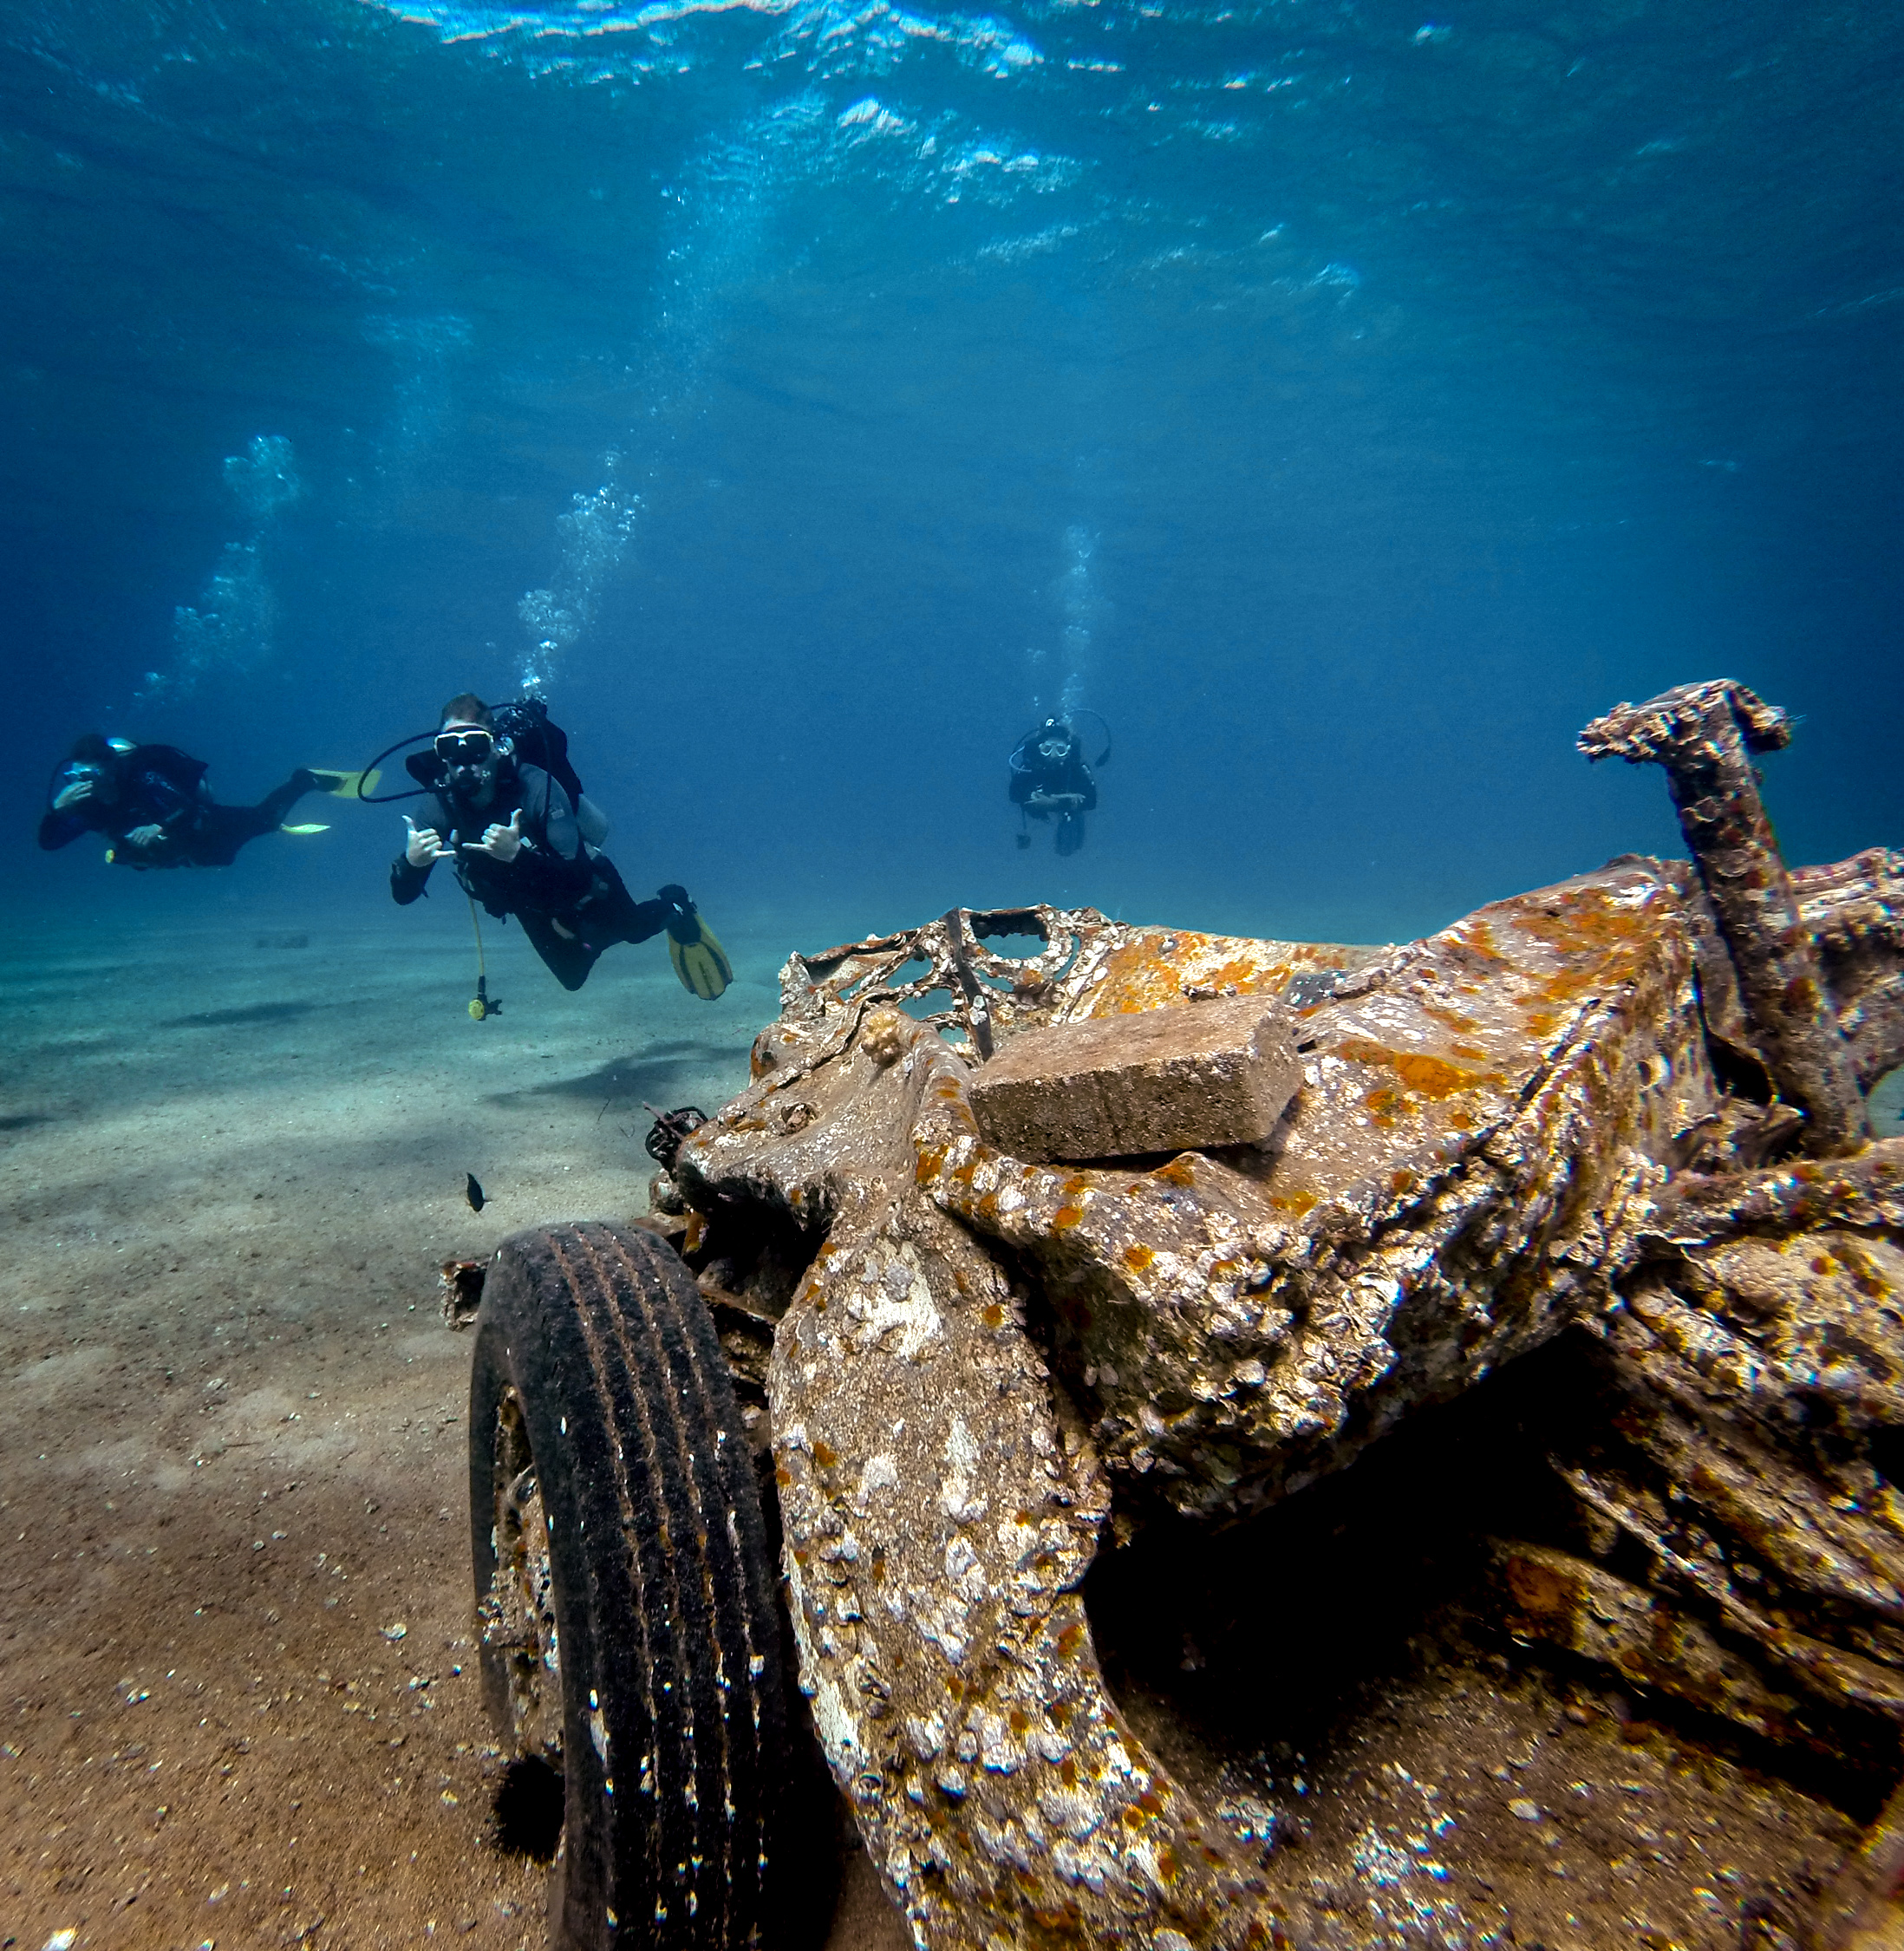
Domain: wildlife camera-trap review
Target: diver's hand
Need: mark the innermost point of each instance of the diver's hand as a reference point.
(423, 846)
(76, 794)
(500, 843)
(145, 836)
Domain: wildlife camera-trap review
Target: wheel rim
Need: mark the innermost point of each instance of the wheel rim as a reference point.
(518, 1611)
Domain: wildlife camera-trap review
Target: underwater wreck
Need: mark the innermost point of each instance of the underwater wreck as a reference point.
(1230, 1443)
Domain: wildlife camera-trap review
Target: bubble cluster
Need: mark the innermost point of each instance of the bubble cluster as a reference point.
(595, 537)
(1083, 609)
(264, 477)
(232, 628)
(717, 219)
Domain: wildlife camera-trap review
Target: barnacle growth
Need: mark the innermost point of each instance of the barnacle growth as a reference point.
(1469, 1509)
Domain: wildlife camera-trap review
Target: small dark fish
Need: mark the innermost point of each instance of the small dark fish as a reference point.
(478, 1198)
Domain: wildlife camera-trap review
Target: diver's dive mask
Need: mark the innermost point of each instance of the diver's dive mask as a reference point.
(465, 745)
(72, 776)
(1053, 748)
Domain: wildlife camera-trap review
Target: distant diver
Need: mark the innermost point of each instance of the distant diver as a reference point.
(151, 803)
(1050, 779)
(510, 828)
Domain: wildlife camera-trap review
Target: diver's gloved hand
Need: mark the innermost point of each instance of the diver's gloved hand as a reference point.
(424, 846)
(700, 964)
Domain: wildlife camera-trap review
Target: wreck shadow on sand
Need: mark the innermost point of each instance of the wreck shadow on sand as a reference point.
(654, 1072)
(249, 1012)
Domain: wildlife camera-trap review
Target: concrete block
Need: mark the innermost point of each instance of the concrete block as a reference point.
(1177, 1080)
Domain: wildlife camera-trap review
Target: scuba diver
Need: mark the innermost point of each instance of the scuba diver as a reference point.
(509, 824)
(150, 801)
(1049, 777)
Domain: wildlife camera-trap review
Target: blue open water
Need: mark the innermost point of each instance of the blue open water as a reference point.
(1345, 400)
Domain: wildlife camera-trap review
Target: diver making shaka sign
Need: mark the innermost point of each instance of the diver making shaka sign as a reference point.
(512, 833)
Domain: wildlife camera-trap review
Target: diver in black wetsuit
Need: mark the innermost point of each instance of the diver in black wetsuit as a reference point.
(510, 832)
(1050, 779)
(151, 802)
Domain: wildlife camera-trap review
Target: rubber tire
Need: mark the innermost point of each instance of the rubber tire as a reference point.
(673, 1710)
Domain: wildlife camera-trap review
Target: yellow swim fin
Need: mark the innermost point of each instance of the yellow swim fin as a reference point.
(343, 785)
(311, 828)
(701, 965)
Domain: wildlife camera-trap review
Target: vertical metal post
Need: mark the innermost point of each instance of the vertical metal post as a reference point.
(1705, 735)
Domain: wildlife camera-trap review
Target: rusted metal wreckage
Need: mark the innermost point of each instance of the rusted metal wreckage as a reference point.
(1571, 1237)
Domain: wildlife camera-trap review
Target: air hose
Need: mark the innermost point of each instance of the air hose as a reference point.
(480, 1008)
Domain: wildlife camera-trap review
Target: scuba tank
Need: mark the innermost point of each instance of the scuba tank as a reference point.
(537, 740)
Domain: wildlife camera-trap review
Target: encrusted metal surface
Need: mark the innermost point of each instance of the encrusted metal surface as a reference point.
(1478, 1112)
(1854, 912)
(941, 1506)
(1705, 736)
(1509, 1129)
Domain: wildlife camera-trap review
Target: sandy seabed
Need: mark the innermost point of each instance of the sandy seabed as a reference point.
(240, 1705)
